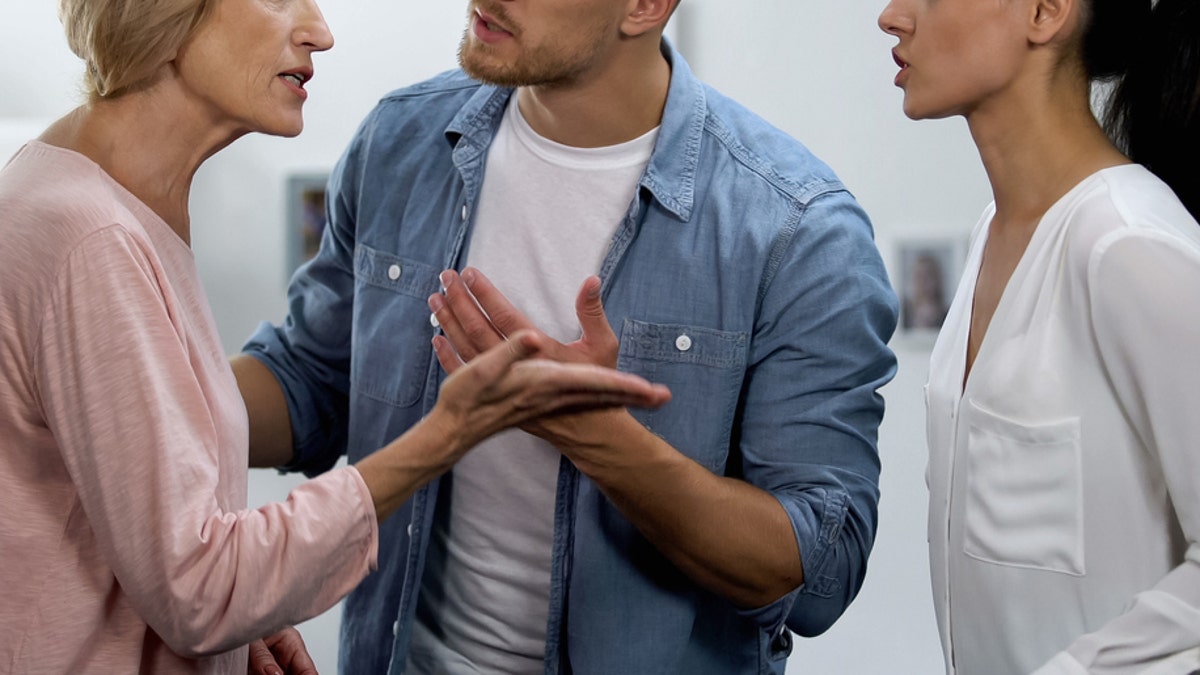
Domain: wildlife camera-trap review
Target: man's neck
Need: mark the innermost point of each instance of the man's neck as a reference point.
(623, 102)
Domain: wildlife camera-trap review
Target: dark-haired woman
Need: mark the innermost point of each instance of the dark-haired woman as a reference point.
(1064, 441)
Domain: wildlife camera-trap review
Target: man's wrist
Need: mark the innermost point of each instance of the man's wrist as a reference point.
(605, 441)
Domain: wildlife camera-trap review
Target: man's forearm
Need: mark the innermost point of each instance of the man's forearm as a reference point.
(270, 422)
(726, 535)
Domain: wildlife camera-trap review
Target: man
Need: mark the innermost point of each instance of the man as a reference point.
(734, 267)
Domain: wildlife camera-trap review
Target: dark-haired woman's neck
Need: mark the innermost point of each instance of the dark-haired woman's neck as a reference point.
(1036, 145)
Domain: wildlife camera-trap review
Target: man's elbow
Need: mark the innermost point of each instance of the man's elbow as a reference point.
(811, 616)
(825, 598)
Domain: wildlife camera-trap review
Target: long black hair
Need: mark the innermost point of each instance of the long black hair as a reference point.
(1154, 114)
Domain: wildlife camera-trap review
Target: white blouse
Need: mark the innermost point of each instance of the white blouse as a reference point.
(1064, 477)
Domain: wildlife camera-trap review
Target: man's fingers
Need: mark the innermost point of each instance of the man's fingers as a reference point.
(446, 355)
(598, 336)
(261, 661)
(504, 316)
(468, 327)
(448, 322)
(588, 306)
(491, 367)
(288, 648)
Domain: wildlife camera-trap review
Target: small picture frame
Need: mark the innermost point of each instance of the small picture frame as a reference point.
(305, 216)
(927, 272)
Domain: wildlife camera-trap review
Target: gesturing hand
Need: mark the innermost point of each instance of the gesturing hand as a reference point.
(283, 653)
(505, 387)
(475, 316)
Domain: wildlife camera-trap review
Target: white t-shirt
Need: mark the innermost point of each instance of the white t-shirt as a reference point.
(545, 220)
(1064, 520)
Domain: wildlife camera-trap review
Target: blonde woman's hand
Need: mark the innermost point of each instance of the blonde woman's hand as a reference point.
(506, 386)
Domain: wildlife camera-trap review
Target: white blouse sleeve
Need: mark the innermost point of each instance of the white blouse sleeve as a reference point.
(1145, 302)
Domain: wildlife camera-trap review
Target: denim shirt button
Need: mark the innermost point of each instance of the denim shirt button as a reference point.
(434, 322)
(396, 628)
(683, 343)
(464, 212)
(394, 272)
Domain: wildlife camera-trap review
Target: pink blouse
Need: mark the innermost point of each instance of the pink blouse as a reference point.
(125, 542)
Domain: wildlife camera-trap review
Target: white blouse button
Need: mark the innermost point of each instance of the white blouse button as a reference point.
(394, 272)
(683, 343)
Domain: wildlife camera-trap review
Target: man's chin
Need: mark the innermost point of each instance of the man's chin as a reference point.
(476, 62)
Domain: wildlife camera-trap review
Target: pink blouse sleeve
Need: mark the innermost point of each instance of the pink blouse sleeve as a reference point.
(135, 423)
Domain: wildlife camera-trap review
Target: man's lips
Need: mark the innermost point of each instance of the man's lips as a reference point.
(490, 23)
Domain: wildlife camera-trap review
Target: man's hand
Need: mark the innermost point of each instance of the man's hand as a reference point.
(475, 316)
(283, 653)
(729, 536)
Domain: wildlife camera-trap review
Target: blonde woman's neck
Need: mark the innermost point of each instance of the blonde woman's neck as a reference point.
(148, 141)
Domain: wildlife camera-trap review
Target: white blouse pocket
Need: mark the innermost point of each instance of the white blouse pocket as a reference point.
(1024, 497)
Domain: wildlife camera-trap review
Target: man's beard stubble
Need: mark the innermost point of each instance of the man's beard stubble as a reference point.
(541, 66)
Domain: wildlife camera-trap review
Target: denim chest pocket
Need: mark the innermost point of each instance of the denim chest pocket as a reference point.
(704, 369)
(1024, 493)
(392, 330)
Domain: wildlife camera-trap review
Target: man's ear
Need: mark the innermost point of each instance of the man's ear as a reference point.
(1052, 19)
(643, 16)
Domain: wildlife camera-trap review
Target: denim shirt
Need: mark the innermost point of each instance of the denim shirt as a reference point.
(744, 277)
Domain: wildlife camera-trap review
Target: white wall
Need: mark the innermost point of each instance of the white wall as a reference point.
(819, 70)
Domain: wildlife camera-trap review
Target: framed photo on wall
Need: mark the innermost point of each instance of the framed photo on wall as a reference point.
(927, 274)
(305, 216)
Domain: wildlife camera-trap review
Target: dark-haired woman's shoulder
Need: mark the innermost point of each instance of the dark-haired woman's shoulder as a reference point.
(1124, 202)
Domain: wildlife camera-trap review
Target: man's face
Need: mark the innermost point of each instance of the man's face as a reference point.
(519, 43)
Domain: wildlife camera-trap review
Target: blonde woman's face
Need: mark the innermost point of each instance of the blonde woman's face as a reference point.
(247, 65)
(955, 55)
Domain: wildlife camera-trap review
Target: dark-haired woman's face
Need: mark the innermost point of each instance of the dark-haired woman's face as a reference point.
(247, 64)
(954, 55)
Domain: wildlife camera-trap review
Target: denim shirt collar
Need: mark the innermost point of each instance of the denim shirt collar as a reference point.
(670, 176)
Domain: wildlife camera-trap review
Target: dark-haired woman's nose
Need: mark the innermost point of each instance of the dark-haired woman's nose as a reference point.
(896, 19)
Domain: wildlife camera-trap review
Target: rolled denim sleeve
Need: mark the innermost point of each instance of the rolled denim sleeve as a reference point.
(309, 353)
(812, 407)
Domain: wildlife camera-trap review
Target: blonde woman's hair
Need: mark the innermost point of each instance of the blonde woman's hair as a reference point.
(125, 42)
